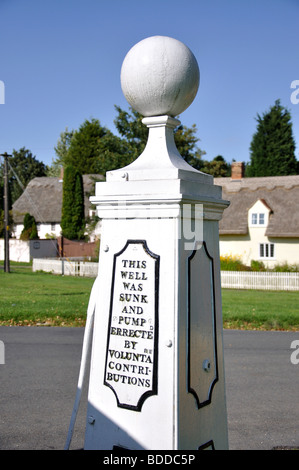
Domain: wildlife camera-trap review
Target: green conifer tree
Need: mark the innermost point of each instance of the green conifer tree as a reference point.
(272, 150)
(78, 207)
(72, 212)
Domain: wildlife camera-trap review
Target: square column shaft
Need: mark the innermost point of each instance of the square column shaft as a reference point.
(157, 373)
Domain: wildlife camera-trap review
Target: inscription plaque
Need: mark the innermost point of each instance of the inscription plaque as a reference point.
(132, 352)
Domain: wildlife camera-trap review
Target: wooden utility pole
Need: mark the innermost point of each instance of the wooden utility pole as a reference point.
(6, 214)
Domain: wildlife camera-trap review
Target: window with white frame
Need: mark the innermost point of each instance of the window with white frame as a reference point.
(267, 250)
(53, 227)
(258, 218)
(261, 219)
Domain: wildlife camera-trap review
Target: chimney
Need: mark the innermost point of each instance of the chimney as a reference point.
(237, 170)
(61, 174)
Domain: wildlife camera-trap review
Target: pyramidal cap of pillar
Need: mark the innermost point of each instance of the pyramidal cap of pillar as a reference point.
(160, 80)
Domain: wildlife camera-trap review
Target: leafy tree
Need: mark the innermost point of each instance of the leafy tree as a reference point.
(25, 167)
(93, 149)
(10, 221)
(134, 134)
(272, 149)
(29, 231)
(114, 153)
(186, 142)
(72, 212)
(218, 167)
(89, 145)
(84, 147)
(61, 151)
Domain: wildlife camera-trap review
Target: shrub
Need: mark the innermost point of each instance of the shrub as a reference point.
(29, 231)
(285, 267)
(232, 263)
(257, 265)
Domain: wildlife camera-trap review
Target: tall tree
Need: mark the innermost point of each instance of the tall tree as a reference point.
(72, 211)
(272, 149)
(186, 142)
(134, 135)
(133, 132)
(67, 202)
(61, 151)
(87, 146)
(25, 167)
(95, 149)
(114, 153)
(78, 218)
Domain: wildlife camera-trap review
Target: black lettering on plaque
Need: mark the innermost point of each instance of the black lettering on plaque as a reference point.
(132, 342)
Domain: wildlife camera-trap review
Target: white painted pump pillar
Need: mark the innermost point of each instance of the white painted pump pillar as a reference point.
(157, 374)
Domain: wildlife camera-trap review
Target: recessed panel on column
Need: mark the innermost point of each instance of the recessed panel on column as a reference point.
(202, 348)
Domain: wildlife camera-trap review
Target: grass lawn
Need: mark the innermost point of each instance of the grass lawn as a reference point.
(261, 310)
(45, 299)
(29, 298)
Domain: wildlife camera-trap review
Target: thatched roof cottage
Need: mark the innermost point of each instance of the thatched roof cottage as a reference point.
(42, 198)
(262, 221)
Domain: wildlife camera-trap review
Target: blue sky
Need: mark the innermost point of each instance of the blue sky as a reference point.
(60, 62)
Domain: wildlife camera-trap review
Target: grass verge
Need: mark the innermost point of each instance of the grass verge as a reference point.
(260, 310)
(43, 299)
(47, 300)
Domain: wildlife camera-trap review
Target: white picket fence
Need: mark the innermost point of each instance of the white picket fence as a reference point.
(65, 267)
(259, 280)
(229, 279)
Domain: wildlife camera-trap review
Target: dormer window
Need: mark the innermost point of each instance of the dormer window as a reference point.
(259, 214)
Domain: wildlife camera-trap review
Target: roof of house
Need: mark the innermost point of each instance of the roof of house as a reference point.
(42, 198)
(281, 195)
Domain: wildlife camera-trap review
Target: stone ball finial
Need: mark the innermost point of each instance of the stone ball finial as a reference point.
(160, 76)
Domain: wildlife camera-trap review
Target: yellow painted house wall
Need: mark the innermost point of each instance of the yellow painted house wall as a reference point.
(247, 247)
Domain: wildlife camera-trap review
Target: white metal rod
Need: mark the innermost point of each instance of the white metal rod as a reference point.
(87, 339)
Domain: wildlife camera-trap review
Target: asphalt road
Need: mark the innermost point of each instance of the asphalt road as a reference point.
(39, 378)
